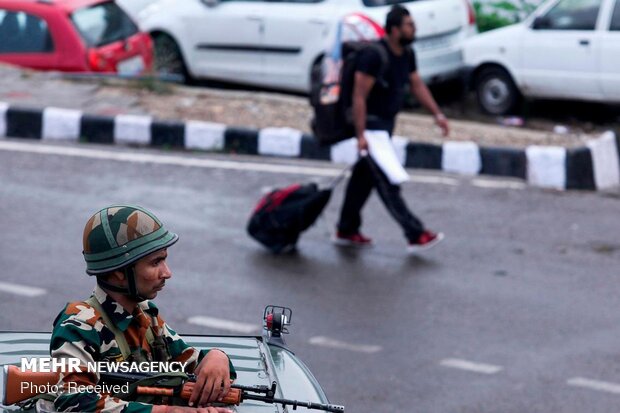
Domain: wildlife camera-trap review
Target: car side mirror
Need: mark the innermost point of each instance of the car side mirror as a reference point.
(540, 23)
(210, 3)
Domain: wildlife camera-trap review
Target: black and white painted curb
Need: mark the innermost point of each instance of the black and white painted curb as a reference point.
(594, 166)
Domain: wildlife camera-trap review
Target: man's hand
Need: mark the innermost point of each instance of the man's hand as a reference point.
(442, 122)
(212, 379)
(181, 409)
(362, 144)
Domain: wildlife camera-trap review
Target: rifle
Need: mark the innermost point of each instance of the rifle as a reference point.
(14, 377)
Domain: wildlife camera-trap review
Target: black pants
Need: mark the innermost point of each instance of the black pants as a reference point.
(366, 175)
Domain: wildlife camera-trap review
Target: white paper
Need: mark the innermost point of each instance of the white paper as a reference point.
(382, 151)
(345, 152)
(605, 161)
(279, 142)
(546, 166)
(207, 136)
(3, 108)
(400, 146)
(61, 124)
(132, 129)
(461, 158)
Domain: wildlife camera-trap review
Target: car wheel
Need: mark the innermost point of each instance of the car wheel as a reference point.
(496, 91)
(168, 58)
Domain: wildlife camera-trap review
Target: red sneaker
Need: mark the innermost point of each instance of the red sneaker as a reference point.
(427, 240)
(355, 240)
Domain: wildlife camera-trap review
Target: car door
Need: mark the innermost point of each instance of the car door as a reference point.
(560, 51)
(26, 40)
(610, 57)
(226, 36)
(295, 33)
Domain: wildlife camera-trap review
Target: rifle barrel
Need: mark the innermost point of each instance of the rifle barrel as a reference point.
(296, 403)
(247, 393)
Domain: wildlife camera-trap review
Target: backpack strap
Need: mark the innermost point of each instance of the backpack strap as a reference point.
(118, 334)
(150, 338)
(379, 47)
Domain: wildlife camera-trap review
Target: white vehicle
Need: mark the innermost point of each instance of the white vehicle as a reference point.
(568, 49)
(134, 7)
(276, 43)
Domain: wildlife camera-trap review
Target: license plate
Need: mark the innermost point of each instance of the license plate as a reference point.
(433, 43)
(131, 66)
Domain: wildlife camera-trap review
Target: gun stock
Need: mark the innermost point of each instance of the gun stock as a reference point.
(234, 396)
(15, 392)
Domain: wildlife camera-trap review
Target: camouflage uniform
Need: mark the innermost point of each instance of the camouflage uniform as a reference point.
(79, 332)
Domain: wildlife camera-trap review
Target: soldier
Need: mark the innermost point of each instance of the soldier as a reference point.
(125, 247)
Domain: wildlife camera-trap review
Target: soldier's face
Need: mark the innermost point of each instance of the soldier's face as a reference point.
(152, 272)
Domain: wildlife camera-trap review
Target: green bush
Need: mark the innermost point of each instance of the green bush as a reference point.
(491, 16)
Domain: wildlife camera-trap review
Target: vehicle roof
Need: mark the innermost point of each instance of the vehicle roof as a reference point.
(65, 5)
(256, 363)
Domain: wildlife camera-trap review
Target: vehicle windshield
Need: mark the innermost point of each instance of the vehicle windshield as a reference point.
(379, 3)
(103, 23)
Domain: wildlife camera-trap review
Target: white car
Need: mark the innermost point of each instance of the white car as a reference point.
(276, 43)
(568, 49)
(134, 7)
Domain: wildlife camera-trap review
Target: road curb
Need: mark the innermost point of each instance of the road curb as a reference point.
(595, 166)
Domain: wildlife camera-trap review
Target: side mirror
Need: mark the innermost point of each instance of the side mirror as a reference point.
(540, 23)
(275, 321)
(210, 3)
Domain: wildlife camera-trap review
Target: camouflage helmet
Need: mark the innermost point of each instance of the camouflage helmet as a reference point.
(119, 235)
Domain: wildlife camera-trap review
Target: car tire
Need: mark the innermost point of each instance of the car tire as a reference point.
(168, 58)
(496, 91)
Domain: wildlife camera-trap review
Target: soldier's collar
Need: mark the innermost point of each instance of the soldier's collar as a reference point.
(116, 312)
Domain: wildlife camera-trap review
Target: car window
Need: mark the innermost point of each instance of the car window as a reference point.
(103, 23)
(24, 33)
(378, 3)
(571, 15)
(615, 18)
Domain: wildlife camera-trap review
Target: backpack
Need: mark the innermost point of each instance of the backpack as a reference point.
(283, 214)
(331, 93)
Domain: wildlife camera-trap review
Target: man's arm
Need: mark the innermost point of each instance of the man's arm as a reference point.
(424, 96)
(181, 352)
(178, 348)
(361, 89)
(213, 368)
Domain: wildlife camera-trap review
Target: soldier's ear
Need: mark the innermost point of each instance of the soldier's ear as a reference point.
(118, 276)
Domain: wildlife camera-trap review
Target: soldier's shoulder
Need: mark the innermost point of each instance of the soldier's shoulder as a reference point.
(78, 322)
(78, 312)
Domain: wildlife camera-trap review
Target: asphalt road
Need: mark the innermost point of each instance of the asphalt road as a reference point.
(516, 311)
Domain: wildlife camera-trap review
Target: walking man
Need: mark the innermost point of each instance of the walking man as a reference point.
(378, 94)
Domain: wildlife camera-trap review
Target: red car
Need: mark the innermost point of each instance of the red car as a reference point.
(72, 36)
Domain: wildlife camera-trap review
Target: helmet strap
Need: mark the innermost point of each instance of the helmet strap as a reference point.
(130, 274)
(132, 287)
(111, 287)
